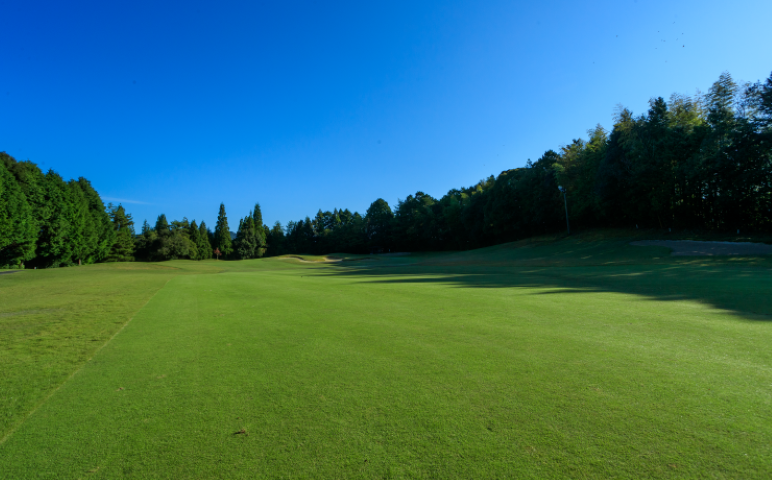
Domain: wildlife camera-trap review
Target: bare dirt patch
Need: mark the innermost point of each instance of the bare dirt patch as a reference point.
(709, 249)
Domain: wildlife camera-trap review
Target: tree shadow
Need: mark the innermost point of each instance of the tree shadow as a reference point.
(743, 287)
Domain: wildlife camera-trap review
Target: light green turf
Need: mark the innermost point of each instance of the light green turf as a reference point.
(574, 358)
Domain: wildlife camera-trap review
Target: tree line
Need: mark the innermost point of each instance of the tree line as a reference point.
(183, 239)
(700, 163)
(48, 222)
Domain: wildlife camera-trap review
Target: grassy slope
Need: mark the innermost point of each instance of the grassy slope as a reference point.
(572, 358)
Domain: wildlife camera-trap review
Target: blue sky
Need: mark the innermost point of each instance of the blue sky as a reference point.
(174, 107)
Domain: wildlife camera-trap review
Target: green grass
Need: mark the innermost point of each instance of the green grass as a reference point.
(580, 357)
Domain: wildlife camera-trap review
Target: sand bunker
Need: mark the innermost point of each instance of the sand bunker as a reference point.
(692, 248)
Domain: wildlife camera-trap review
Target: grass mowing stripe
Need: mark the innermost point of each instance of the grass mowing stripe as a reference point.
(52, 321)
(50, 394)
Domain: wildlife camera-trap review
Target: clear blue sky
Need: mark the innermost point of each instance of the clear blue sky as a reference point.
(174, 107)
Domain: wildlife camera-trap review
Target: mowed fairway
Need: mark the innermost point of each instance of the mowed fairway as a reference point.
(568, 359)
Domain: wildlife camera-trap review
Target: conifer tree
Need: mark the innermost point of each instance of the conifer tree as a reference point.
(17, 224)
(257, 217)
(83, 237)
(32, 183)
(246, 238)
(102, 225)
(222, 234)
(143, 243)
(193, 233)
(123, 247)
(275, 240)
(203, 250)
(162, 226)
(54, 247)
(203, 245)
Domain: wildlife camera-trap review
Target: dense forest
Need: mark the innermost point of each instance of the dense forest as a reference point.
(47, 222)
(699, 163)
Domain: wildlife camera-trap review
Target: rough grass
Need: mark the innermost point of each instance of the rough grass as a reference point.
(52, 321)
(554, 358)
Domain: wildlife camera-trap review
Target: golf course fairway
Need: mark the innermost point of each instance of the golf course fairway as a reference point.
(572, 358)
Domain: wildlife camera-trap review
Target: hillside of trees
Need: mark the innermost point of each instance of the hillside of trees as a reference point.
(699, 163)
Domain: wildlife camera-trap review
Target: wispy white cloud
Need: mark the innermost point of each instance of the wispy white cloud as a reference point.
(123, 200)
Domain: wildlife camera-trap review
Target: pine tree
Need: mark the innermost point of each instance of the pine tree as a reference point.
(82, 232)
(144, 242)
(245, 244)
(222, 234)
(162, 226)
(307, 241)
(257, 217)
(17, 223)
(32, 182)
(123, 247)
(203, 245)
(275, 240)
(105, 235)
(193, 233)
(54, 247)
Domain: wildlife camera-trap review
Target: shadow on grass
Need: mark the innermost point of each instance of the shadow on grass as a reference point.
(743, 287)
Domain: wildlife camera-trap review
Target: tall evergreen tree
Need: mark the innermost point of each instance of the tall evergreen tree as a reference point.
(203, 250)
(101, 222)
(162, 228)
(193, 233)
(83, 234)
(54, 247)
(246, 243)
(257, 215)
(33, 185)
(275, 240)
(204, 247)
(222, 234)
(17, 223)
(123, 247)
(260, 240)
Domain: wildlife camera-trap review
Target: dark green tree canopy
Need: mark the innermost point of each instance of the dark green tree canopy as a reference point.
(162, 228)
(378, 224)
(222, 234)
(123, 247)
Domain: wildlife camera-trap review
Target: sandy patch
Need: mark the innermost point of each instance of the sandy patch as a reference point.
(326, 260)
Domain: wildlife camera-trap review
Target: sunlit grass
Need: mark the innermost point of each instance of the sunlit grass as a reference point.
(509, 362)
